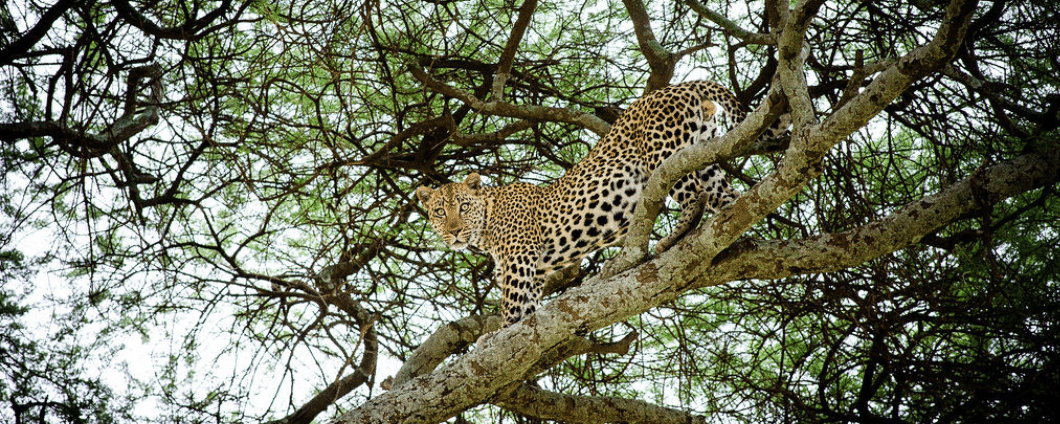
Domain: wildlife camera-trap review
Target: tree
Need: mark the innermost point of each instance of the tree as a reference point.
(243, 172)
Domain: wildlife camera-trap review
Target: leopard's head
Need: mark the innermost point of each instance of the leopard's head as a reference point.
(457, 211)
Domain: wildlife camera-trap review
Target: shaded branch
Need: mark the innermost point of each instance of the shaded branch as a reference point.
(340, 388)
(328, 281)
(499, 136)
(18, 48)
(189, 30)
(80, 144)
(895, 79)
(419, 128)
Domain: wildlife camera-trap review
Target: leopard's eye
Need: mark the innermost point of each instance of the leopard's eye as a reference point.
(464, 207)
(439, 212)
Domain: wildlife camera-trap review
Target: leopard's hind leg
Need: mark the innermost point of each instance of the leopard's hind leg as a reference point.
(697, 192)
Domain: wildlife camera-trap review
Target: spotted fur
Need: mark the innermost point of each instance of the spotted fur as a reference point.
(532, 231)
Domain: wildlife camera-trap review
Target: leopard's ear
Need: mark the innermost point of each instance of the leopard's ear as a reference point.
(424, 193)
(473, 181)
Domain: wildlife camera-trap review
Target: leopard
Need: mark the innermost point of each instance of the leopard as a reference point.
(532, 231)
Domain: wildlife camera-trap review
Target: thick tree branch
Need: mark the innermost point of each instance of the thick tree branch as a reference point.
(739, 141)
(446, 341)
(93, 144)
(660, 60)
(456, 336)
(546, 405)
(419, 128)
(902, 228)
(504, 65)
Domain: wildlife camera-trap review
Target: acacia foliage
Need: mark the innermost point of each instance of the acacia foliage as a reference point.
(242, 172)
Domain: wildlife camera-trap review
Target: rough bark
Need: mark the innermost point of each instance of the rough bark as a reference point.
(542, 404)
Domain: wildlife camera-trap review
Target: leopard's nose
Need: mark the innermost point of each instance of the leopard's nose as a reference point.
(454, 228)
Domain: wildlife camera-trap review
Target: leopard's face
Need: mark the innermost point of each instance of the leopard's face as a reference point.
(457, 212)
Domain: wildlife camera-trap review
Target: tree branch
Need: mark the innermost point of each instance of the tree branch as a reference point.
(336, 390)
(531, 112)
(443, 343)
(660, 60)
(19, 47)
(329, 280)
(730, 27)
(739, 141)
(186, 31)
(895, 79)
(458, 335)
(84, 145)
(541, 404)
(902, 228)
(504, 65)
